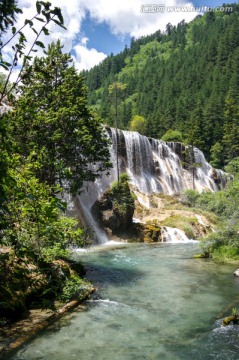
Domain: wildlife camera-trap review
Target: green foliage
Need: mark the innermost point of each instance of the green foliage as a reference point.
(138, 123)
(116, 87)
(75, 288)
(49, 138)
(233, 167)
(215, 202)
(235, 312)
(3, 80)
(8, 11)
(36, 222)
(223, 244)
(53, 103)
(122, 197)
(124, 179)
(190, 197)
(56, 250)
(226, 254)
(217, 160)
(45, 14)
(172, 135)
(231, 126)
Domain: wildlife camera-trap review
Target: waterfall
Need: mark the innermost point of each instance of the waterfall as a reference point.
(174, 235)
(153, 166)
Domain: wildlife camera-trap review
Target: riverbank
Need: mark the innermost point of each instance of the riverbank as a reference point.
(34, 294)
(15, 335)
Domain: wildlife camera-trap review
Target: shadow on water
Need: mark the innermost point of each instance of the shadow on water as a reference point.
(111, 273)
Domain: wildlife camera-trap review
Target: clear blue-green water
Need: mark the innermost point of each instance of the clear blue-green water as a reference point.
(152, 302)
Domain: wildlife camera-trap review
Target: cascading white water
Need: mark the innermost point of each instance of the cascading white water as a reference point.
(153, 166)
(174, 235)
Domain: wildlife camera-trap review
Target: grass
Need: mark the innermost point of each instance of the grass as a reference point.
(210, 216)
(169, 198)
(187, 224)
(226, 255)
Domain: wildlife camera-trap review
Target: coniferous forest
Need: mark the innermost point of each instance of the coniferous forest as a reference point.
(184, 79)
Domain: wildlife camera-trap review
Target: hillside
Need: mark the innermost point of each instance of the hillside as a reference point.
(185, 79)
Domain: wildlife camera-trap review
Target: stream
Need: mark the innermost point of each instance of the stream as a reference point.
(152, 302)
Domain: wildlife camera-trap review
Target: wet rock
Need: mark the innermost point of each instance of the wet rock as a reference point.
(115, 208)
(152, 233)
(233, 319)
(236, 273)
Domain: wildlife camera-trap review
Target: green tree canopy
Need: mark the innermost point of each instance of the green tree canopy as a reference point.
(138, 123)
(231, 126)
(172, 135)
(217, 160)
(8, 10)
(53, 125)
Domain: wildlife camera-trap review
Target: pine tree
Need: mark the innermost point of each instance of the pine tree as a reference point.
(217, 158)
(231, 127)
(54, 126)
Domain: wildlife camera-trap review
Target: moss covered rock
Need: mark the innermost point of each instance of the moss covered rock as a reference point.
(148, 233)
(19, 279)
(115, 209)
(233, 319)
(152, 233)
(23, 283)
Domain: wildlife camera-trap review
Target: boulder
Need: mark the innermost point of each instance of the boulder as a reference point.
(115, 208)
(236, 273)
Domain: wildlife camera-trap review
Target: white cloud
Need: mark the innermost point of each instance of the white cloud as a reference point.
(124, 17)
(87, 58)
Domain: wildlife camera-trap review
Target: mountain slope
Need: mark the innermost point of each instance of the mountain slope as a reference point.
(186, 79)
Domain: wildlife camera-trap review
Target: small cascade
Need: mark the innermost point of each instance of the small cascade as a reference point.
(153, 166)
(174, 235)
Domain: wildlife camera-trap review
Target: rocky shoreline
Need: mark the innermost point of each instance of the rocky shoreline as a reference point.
(15, 335)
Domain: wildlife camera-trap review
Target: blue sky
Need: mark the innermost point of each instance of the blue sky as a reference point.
(95, 28)
(101, 37)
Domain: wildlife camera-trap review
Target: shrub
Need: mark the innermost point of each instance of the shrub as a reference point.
(226, 254)
(75, 288)
(172, 135)
(189, 197)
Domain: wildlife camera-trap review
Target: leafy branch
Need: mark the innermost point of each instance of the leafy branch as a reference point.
(45, 14)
